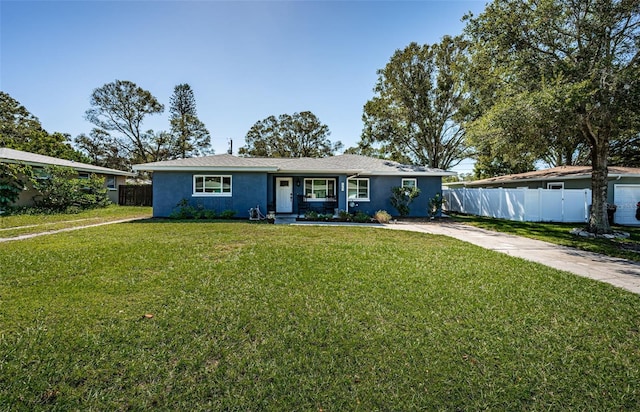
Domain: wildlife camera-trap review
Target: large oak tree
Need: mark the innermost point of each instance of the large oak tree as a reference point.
(298, 135)
(586, 51)
(118, 109)
(418, 109)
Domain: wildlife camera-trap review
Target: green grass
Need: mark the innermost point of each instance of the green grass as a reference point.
(16, 225)
(270, 317)
(560, 234)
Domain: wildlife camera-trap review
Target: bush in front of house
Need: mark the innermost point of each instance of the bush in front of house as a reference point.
(361, 217)
(435, 205)
(401, 198)
(184, 210)
(382, 216)
(61, 190)
(13, 180)
(343, 216)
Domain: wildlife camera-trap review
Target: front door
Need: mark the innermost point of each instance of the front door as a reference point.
(284, 195)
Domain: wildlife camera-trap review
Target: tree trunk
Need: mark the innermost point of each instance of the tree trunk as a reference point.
(598, 219)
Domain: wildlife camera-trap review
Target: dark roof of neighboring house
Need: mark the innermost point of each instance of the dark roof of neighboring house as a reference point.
(555, 173)
(350, 164)
(33, 159)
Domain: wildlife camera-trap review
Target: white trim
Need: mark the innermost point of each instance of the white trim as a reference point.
(412, 179)
(204, 168)
(281, 170)
(559, 184)
(318, 199)
(359, 199)
(210, 194)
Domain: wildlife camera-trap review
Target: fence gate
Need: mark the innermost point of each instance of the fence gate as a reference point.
(135, 195)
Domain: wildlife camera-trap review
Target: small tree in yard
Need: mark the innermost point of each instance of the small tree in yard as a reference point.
(63, 190)
(401, 198)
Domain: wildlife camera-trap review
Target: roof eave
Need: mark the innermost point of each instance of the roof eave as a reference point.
(78, 167)
(204, 168)
(548, 179)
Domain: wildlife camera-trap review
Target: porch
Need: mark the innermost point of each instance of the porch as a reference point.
(299, 195)
(326, 205)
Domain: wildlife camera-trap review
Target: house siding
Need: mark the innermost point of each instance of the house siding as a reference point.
(258, 189)
(169, 188)
(28, 196)
(380, 195)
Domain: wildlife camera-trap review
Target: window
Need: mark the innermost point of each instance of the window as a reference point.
(409, 183)
(212, 185)
(319, 188)
(40, 174)
(358, 189)
(555, 185)
(110, 182)
(83, 175)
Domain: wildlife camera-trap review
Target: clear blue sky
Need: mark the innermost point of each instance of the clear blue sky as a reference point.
(244, 60)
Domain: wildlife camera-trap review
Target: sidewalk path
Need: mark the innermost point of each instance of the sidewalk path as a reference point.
(618, 272)
(67, 229)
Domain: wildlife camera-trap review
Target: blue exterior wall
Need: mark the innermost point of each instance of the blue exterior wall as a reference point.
(380, 194)
(258, 189)
(248, 190)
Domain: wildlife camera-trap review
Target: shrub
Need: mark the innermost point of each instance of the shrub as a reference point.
(227, 214)
(344, 216)
(13, 180)
(435, 205)
(62, 190)
(361, 217)
(209, 214)
(184, 210)
(382, 216)
(311, 215)
(401, 198)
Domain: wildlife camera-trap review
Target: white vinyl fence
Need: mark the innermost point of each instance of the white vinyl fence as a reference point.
(530, 205)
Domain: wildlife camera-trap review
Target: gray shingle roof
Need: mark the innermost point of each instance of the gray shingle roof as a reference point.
(15, 156)
(555, 173)
(350, 164)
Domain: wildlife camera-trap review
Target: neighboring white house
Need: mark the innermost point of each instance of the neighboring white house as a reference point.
(112, 177)
(623, 192)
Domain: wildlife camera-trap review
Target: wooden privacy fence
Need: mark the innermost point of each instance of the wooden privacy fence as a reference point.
(135, 195)
(525, 205)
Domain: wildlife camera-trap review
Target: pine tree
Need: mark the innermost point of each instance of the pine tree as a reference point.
(190, 136)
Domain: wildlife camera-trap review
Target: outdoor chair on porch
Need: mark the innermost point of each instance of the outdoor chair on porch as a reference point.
(303, 205)
(330, 205)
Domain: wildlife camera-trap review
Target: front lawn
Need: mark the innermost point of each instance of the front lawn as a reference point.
(239, 316)
(16, 225)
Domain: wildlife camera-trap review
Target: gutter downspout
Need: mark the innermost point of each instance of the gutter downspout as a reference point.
(346, 192)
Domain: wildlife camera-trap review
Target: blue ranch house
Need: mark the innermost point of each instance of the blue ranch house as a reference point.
(288, 185)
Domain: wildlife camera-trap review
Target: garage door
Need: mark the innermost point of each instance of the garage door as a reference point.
(626, 197)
